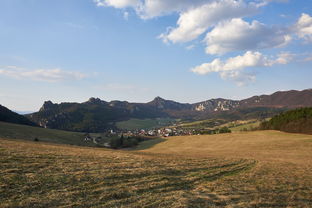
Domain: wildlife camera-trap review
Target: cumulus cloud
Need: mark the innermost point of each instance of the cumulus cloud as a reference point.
(303, 27)
(233, 68)
(195, 16)
(236, 35)
(47, 75)
(196, 21)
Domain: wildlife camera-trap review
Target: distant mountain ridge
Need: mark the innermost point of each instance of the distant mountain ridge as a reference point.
(97, 115)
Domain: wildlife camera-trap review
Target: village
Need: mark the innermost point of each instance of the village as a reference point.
(129, 138)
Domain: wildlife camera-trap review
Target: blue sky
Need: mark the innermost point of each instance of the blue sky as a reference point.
(135, 50)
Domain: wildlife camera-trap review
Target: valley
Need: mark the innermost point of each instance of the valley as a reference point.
(155, 104)
(174, 161)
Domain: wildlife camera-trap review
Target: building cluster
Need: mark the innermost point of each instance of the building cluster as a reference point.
(160, 132)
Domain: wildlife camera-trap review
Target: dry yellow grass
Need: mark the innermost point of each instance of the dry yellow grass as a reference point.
(281, 178)
(252, 169)
(260, 145)
(45, 175)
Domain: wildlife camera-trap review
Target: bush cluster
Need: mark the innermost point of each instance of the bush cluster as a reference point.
(125, 142)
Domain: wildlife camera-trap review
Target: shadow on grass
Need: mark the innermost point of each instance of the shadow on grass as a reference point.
(148, 144)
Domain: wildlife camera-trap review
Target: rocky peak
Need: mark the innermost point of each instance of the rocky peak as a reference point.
(95, 100)
(47, 105)
(158, 99)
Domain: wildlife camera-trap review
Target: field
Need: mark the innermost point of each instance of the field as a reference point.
(248, 169)
(202, 124)
(238, 125)
(246, 126)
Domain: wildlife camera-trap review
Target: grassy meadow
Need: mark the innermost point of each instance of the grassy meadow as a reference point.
(245, 169)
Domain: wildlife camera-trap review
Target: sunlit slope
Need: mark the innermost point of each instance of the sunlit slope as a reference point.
(260, 145)
(35, 174)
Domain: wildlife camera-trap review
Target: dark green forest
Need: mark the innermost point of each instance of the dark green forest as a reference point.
(9, 116)
(294, 121)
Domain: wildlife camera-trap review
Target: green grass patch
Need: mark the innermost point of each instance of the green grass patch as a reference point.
(15, 131)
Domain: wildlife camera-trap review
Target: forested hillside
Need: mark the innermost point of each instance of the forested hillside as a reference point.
(295, 121)
(9, 116)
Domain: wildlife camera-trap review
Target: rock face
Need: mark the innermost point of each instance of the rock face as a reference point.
(216, 105)
(96, 115)
(47, 105)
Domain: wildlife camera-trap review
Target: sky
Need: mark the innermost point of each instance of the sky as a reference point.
(183, 50)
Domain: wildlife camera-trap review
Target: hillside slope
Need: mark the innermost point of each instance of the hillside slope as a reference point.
(7, 115)
(295, 121)
(260, 145)
(24, 132)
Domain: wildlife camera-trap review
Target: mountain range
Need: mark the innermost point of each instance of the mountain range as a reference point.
(96, 115)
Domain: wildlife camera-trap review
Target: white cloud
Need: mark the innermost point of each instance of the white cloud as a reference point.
(197, 16)
(249, 59)
(196, 21)
(304, 27)
(47, 75)
(155, 8)
(118, 3)
(233, 68)
(237, 35)
(147, 9)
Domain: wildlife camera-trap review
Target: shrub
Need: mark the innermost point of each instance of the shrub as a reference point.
(224, 130)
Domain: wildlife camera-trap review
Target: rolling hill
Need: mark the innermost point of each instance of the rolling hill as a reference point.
(96, 115)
